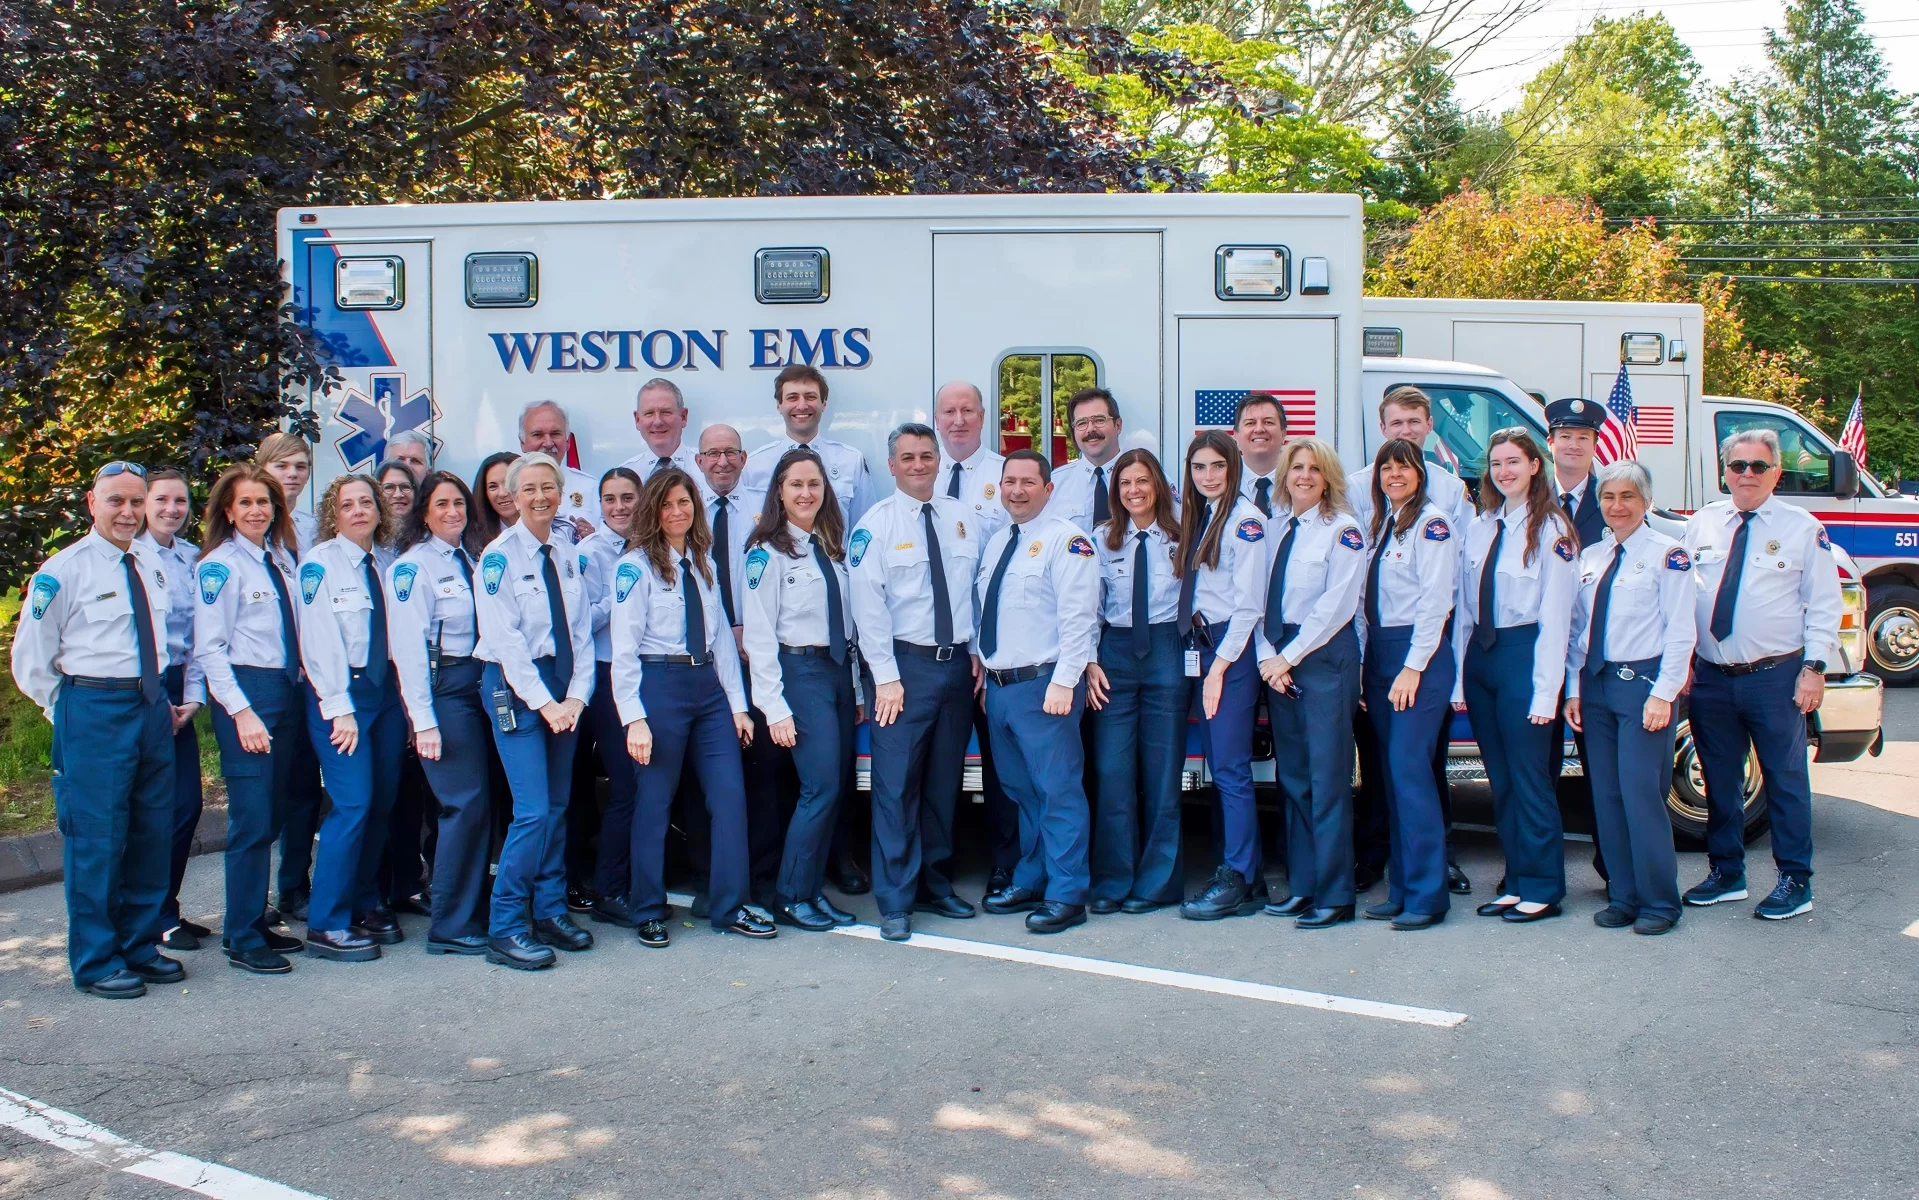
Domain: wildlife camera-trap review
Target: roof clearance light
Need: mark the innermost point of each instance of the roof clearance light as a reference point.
(1315, 277)
(1676, 350)
(790, 276)
(1384, 343)
(1642, 349)
(377, 282)
(502, 280)
(1252, 272)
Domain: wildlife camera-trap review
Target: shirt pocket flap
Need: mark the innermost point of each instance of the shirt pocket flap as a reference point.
(109, 607)
(528, 585)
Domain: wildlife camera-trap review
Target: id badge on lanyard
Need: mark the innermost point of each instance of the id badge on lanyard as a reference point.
(1192, 664)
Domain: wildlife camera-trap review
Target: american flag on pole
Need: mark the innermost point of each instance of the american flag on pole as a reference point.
(1619, 436)
(1853, 439)
(1215, 408)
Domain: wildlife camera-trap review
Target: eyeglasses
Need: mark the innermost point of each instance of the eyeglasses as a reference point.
(1086, 423)
(120, 467)
(1741, 466)
(729, 454)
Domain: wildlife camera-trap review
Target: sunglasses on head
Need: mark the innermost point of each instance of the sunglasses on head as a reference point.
(119, 467)
(1742, 466)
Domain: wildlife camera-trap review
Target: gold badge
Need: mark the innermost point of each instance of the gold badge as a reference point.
(904, 546)
(577, 500)
(1032, 551)
(1772, 547)
(961, 526)
(989, 491)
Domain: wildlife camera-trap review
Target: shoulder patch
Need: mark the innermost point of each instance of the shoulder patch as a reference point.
(45, 588)
(1676, 560)
(213, 577)
(856, 549)
(1251, 530)
(310, 576)
(1350, 538)
(624, 579)
(756, 566)
(492, 571)
(1564, 548)
(1825, 543)
(1080, 545)
(1438, 531)
(403, 576)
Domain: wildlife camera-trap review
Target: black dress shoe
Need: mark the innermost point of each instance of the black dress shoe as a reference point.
(654, 935)
(179, 938)
(1493, 908)
(945, 906)
(1520, 918)
(579, 898)
(466, 943)
(1055, 916)
(416, 904)
(801, 914)
(1385, 910)
(1226, 896)
(838, 915)
(1365, 877)
(1456, 881)
(896, 927)
(613, 910)
(1614, 917)
(999, 880)
(1012, 900)
(281, 943)
(159, 969)
(1325, 918)
(195, 928)
(748, 923)
(379, 926)
(1408, 921)
(1291, 906)
(520, 952)
(121, 985)
(1102, 907)
(1653, 926)
(259, 960)
(562, 934)
(1136, 905)
(849, 877)
(341, 945)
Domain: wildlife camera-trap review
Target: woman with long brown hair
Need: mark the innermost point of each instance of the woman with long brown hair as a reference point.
(494, 509)
(1139, 694)
(677, 682)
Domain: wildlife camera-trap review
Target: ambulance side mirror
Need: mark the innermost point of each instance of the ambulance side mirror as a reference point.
(1845, 475)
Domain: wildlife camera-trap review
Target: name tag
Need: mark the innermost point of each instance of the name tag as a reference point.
(1192, 664)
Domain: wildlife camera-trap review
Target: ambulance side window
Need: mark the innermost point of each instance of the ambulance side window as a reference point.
(1806, 463)
(1033, 388)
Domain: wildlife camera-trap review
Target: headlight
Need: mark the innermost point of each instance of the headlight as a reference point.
(1852, 624)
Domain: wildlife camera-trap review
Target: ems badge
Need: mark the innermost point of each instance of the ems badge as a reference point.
(1438, 531)
(989, 491)
(403, 577)
(1251, 530)
(576, 500)
(213, 577)
(756, 566)
(862, 538)
(160, 576)
(46, 587)
(961, 526)
(1080, 546)
(1825, 543)
(1032, 551)
(1676, 560)
(624, 579)
(310, 576)
(492, 571)
(1772, 547)
(1564, 548)
(1349, 537)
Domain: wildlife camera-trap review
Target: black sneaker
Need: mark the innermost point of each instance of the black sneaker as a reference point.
(1226, 896)
(281, 943)
(1790, 898)
(1717, 887)
(613, 910)
(259, 961)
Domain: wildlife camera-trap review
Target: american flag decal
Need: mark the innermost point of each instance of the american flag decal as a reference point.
(1655, 426)
(1215, 409)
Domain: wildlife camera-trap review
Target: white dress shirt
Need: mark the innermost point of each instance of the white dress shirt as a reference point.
(515, 625)
(646, 462)
(1073, 487)
(1418, 577)
(307, 527)
(1788, 593)
(845, 470)
(978, 487)
(176, 563)
(1649, 614)
(1324, 576)
(429, 602)
(743, 505)
(1116, 577)
(1443, 490)
(893, 584)
(237, 622)
(1526, 592)
(785, 605)
(1234, 590)
(649, 617)
(78, 618)
(336, 620)
(597, 556)
(1048, 600)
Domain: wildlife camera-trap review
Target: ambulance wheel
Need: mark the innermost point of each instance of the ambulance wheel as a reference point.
(1686, 801)
(1892, 633)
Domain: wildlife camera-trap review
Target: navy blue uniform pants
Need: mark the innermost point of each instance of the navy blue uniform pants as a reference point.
(1313, 760)
(300, 817)
(460, 779)
(771, 790)
(613, 869)
(692, 725)
(411, 833)
(917, 762)
(1519, 763)
(1002, 815)
(188, 800)
(1042, 764)
(1630, 772)
(259, 790)
(360, 790)
(113, 800)
(1139, 740)
(1228, 741)
(539, 773)
(1732, 714)
(820, 693)
(1416, 871)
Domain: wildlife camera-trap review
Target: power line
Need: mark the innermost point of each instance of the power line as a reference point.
(1830, 220)
(1804, 278)
(1760, 258)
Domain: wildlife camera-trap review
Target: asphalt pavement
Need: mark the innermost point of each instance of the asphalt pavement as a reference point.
(1732, 1058)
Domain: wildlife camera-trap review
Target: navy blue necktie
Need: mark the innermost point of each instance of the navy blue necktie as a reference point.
(1727, 600)
(556, 616)
(1602, 602)
(466, 568)
(1263, 496)
(376, 652)
(1486, 633)
(289, 628)
(1276, 587)
(696, 643)
(953, 484)
(989, 617)
(942, 599)
(150, 689)
(1102, 507)
(1142, 597)
(723, 561)
(835, 612)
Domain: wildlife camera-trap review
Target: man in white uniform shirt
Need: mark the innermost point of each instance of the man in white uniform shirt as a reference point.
(1082, 488)
(1259, 428)
(544, 428)
(800, 394)
(660, 415)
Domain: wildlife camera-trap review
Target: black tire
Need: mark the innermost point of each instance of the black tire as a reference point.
(1686, 799)
(1892, 633)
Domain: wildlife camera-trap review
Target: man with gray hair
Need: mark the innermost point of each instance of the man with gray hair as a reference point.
(544, 428)
(1767, 604)
(659, 413)
(411, 447)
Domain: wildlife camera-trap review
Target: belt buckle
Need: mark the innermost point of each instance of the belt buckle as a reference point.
(942, 654)
(694, 660)
(1628, 674)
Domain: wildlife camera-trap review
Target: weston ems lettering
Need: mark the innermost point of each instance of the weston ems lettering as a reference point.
(678, 350)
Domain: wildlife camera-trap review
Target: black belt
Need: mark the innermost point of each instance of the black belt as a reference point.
(1749, 668)
(103, 684)
(807, 651)
(682, 660)
(456, 660)
(1020, 674)
(1643, 668)
(936, 653)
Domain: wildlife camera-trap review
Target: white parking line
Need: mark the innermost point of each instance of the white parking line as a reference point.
(1911, 930)
(1177, 979)
(81, 1137)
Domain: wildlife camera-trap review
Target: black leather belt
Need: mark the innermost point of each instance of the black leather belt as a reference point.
(683, 660)
(456, 660)
(936, 653)
(1749, 668)
(807, 651)
(103, 684)
(1644, 668)
(1020, 674)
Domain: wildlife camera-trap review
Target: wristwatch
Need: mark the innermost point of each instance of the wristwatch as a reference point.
(1816, 665)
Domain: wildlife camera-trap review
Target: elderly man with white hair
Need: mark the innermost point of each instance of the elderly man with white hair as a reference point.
(544, 430)
(413, 448)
